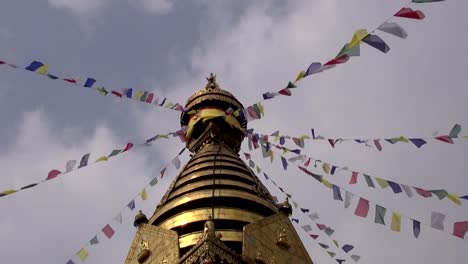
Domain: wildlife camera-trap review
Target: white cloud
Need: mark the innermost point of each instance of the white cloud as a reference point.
(79, 7)
(159, 7)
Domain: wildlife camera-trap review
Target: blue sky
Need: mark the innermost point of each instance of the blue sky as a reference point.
(169, 47)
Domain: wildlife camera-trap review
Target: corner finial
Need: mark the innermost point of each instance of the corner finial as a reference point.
(212, 84)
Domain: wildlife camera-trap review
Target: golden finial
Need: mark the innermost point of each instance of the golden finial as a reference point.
(212, 84)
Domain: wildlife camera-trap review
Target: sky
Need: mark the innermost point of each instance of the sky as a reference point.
(169, 47)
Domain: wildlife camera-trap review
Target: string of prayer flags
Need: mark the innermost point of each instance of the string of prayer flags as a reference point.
(312, 216)
(70, 164)
(143, 96)
(109, 229)
(383, 183)
(418, 142)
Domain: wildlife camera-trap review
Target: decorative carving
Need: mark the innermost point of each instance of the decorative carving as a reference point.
(144, 251)
(259, 258)
(283, 239)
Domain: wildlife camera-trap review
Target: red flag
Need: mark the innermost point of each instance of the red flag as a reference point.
(52, 174)
(108, 231)
(332, 142)
(70, 80)
(338, 60)
(162, 172)
(128, 147)
(314, 236)
(353, 179)
(460, 229)
(2, 62)
(445, 139)
(285, 91)
(363, 208)
(116, 94)
(410, 13)
(321, 226)
(377, 144)
(307, 163)
(150, 97)
(423, 193)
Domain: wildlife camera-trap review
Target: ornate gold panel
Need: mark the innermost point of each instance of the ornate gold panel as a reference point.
(208, 194)
(158, 243)
(192, 238)
(210, 159)
(274, 237)
(209, 166)
(202, 214)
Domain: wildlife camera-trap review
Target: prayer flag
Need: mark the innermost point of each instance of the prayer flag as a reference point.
(315, 67)
(353, 179)
(28, 186)
(407, 190)
(83, 254)
(347, 248)
(363, 208)
(102, 90)
(327, 183)
(114, 152)
(394, 29)
(35, 65)
(407, 12)
(380, 214)
(285, 91)
(116, 94)
(89, 82)
(300, 76)
(53, 77)
(103, 158)
(323, 245)
(357, 37)
(437, 220)
(70, 262)
(307, 228)
(369, 181)
(108, 231)
(7, 192)
(52, 174)
(144, 194)
(377, 144)
(285, 163)
(269, 95)
(128, 147)
(162, 172)
(395, 187)
(291, 85)
(455, 131)
(441, 194)
(376, 42)
(332, 254)
(44, 69)
(454, 198)
(337, 193)
(460, 229)
(176, 162)
(304, 210)
(426, 1)
(418, 142)
(445, 139)
(339, 60)
(131, 205)
(422, 192)
(382, 182)
(355, 51)
(340, 260)
(314, 236)
(94, 240)
(128, 92)
(70, 80)
(464, 197)
(416, 228)
(149, 98)
(329, 231)
(356, 258)
(326, 168)
(313, 216)
(153, 182)
(321, 226)
(118, 218)
(333, 169)
(295, 220)
(348, 198)
(70, 165)
(396, 222)
(84, 160)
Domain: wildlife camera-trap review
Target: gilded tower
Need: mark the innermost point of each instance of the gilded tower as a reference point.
(216, 210)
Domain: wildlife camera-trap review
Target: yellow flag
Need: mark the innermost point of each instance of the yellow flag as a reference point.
(271, 156)
(83, 254)
(260, 106)
(327, 183)
(8, 192)
(144, 195)
(295, 204)
(164, 136)
(169, 105)
(403, 139)
(383, 183)
(44, 69)
(396, 222)
(300, 76)
(357, 38)
(103, 158)
(454, 198)
(326, 168)
(139, 94)
(305, 137)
